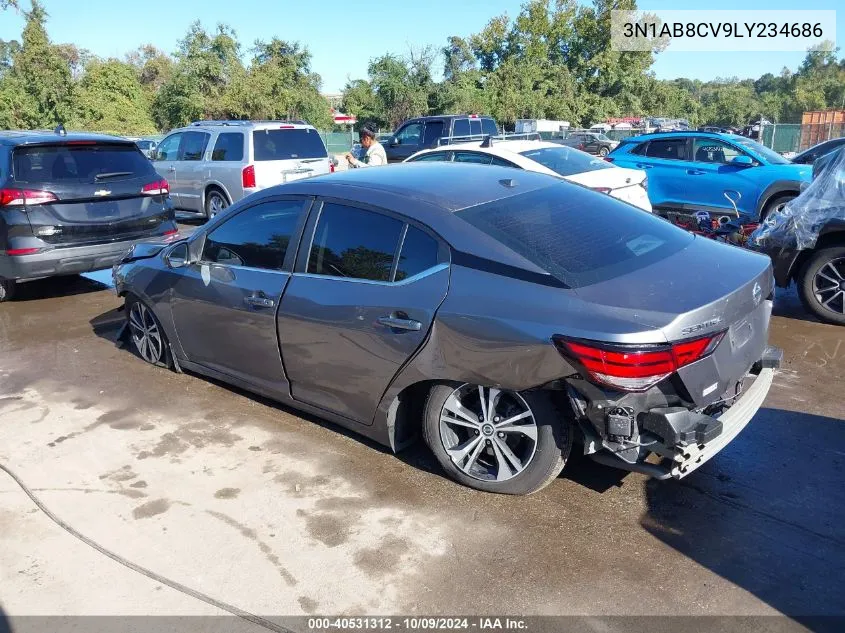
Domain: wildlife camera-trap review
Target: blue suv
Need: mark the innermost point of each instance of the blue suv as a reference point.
(700, 171)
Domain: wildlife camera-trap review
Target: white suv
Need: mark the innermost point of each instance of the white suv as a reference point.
(212, 164)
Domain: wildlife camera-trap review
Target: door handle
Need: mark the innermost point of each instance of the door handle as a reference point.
(696, 172)
(259, 302)
(171, 168)
(400, 324)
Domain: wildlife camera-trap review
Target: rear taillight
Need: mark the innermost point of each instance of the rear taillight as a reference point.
(644, 183)
(248, 177)
(635, 367)
(20, 197)
(331, 166)
(608, 159)
(581, 146)
(22, 251)
(157, 188)
(602, 189)
(171, 232)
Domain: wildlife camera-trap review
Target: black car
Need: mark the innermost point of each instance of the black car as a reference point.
(73, 203)
(428, 131)
(590, 142)
(806, 241)
(809, 156)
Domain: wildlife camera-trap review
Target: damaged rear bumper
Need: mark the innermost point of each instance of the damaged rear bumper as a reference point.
(701, 437)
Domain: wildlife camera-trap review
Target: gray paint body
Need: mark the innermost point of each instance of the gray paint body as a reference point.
(321, 349)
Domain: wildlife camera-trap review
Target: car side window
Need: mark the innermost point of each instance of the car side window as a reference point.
(639, 150)
(709, 150)
(460, 127)
(229, 146)
(193, 145)
(410, 134)
(354, 243)
(501, 162)
(472, 157)
(433, 131)
(168, 149)
(257, 237)
(431, 157)
(668, 149)
(419, 253)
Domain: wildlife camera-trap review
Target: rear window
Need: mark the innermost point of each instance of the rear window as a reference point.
(67, 162)
(488, 126)
(578, 236)
(566, 161)
(296, 143)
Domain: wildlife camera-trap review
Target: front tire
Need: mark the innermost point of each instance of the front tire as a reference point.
(821, 285)
(7, 289)
(603, 151)
(148, 338)
(497, 440)
(776, 204)
(215, 202)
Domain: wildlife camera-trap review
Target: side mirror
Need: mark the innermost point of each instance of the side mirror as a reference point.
(177, 256)
(742, 161)
(394, 142)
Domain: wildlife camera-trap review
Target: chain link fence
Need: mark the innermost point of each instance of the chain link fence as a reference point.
(796, 137)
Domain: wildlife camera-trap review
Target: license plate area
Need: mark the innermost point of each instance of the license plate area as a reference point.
(740, 333)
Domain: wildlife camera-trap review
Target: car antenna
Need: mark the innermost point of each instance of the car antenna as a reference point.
(60, 130)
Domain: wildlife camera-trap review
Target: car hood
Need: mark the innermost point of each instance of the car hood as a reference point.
(792, 171)
(149, 248)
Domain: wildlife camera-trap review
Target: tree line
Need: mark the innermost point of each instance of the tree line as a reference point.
(552, 60)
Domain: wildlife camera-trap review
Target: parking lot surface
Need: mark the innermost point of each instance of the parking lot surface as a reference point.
(280, 513)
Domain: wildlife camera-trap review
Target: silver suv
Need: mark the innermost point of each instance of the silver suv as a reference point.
(212, 164)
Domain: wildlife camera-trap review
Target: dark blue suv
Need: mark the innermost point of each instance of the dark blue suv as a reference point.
(700, 171)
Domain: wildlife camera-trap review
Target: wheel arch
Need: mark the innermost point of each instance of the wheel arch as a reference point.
(827, 238)
(215, 184)
(775, 190)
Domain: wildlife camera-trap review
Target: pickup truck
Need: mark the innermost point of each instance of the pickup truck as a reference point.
(428, 131)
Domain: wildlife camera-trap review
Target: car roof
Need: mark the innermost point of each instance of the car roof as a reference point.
(26, 137)
(497, 148)
(736, 138)
(242, 126)
(447, 186)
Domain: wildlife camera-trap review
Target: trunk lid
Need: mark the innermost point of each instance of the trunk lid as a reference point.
(98, 186)
(703, 289)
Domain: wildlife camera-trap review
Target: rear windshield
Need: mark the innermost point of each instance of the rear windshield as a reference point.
(576, 235)
(68, 162)
(290, 144)
(566, 161)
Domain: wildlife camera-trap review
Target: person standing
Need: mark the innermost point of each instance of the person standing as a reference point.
(374, 155)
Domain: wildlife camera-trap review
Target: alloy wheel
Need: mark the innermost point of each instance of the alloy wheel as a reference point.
(489, 434)
(216, 204)
(829, 285)
(145, 333)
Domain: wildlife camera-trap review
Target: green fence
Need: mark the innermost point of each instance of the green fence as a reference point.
(796, 137)
(339, 142)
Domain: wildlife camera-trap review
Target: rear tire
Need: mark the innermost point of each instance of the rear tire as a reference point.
(146, 334)
(776, 204)
(215, 202)
(492, 454)
(821, 285)
(7, 289)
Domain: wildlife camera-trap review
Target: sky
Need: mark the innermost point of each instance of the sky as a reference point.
(343, 35)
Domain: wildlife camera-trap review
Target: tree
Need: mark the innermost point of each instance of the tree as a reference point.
(110, 99)
(37, 89)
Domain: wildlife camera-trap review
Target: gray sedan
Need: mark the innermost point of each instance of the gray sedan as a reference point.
(504, 316)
